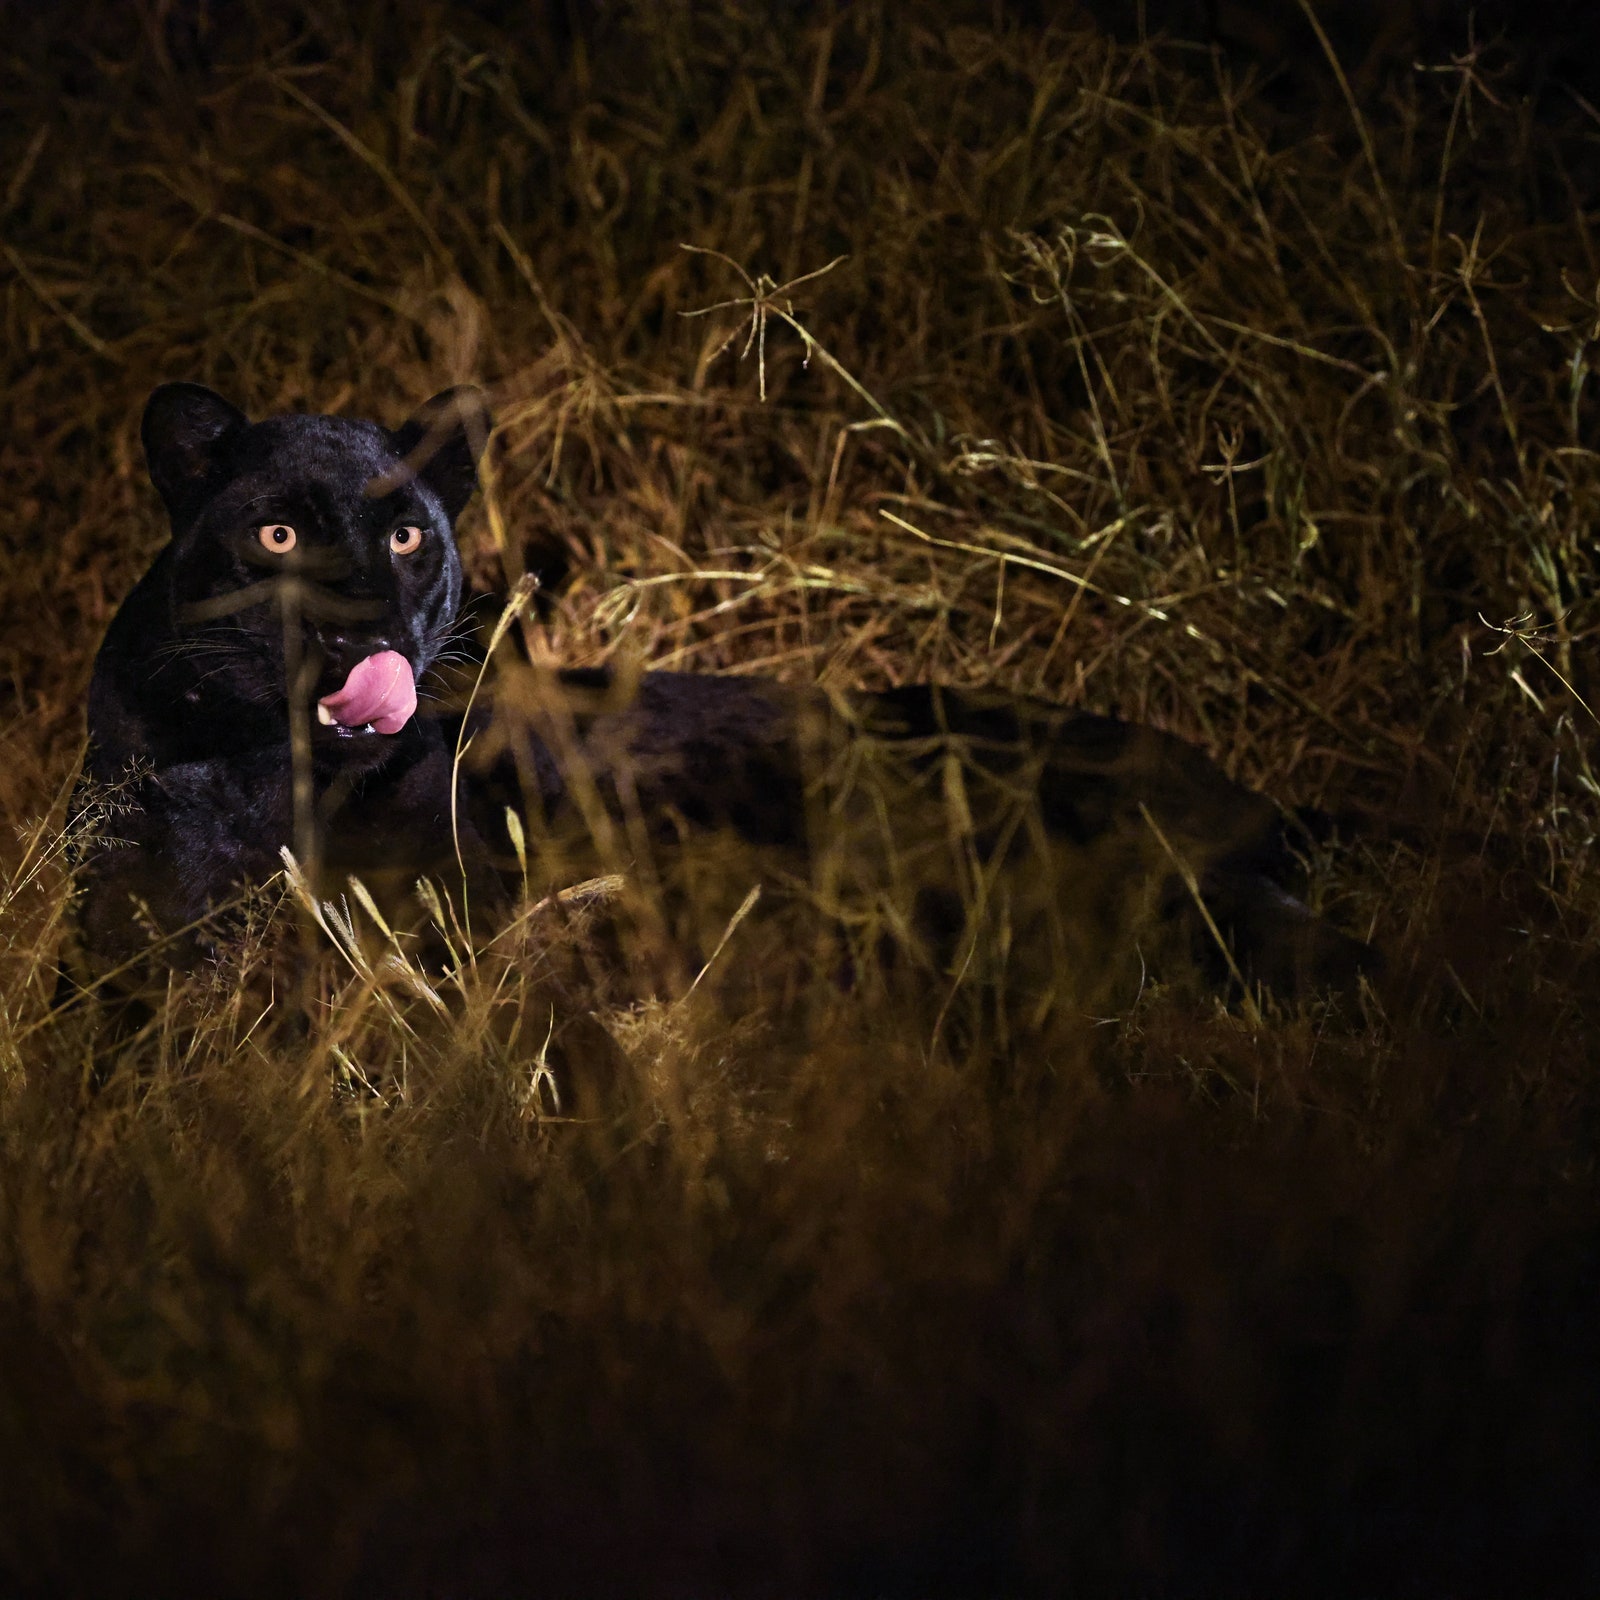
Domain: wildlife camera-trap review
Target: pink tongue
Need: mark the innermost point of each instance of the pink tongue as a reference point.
(380, 690)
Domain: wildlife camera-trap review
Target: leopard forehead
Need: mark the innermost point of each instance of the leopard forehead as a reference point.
(355, 460)
(332, 477)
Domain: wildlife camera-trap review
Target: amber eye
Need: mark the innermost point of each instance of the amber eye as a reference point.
(406, 541)
(278, 537)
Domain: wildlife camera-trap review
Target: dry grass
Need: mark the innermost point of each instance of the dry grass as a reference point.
(1132, 389)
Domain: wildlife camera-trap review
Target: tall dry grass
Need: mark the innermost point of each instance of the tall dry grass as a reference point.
(1136, 388)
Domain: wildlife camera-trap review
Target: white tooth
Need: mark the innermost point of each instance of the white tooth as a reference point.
(324, 715)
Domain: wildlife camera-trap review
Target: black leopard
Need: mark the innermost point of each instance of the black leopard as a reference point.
(273, 681)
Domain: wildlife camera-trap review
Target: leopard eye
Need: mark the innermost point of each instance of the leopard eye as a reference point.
(406, 541)
(278, 537)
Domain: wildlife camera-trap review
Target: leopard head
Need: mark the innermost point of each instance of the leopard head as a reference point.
(313, 559)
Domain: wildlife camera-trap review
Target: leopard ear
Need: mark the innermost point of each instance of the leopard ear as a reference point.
(441, 445)
(185, 430)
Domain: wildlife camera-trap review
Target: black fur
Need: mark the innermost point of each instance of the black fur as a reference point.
(1087, 838)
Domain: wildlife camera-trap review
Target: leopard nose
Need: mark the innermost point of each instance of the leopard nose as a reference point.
(343, 649)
